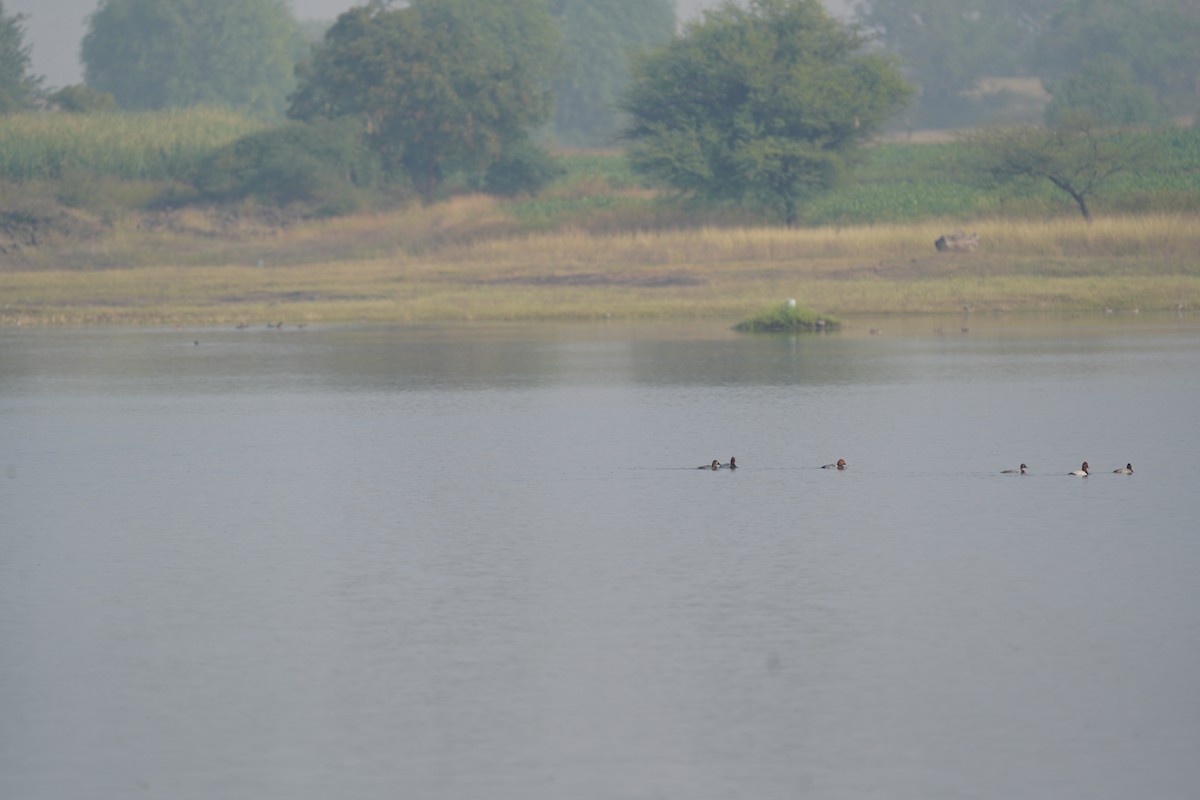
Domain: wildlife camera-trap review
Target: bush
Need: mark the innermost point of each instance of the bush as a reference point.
(321, 163)
(523, 168)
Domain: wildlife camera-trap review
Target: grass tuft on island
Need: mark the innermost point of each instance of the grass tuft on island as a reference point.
(787, 318)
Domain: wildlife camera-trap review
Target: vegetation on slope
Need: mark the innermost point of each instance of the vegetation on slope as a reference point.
(108, 238)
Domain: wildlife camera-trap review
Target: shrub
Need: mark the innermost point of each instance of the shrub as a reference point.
(320, 163)
(523, 168)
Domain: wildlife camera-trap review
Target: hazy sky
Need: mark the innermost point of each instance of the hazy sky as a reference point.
(54, 28)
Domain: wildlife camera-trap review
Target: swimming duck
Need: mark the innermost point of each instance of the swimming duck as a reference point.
(1127, 471)
(1014, 471)
(731, 465)
(841, 464)
(1082, 472)
(715, 465)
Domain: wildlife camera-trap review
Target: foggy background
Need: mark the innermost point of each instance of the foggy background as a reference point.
(55, 28)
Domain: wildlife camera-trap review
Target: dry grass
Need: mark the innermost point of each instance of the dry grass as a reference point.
(465, 260)
(1114, 236)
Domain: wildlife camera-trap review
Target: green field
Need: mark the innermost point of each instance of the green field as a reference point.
(899, 182)
(165, 145)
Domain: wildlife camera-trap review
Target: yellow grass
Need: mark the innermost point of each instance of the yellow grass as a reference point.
(1118, 236)
(463, 260)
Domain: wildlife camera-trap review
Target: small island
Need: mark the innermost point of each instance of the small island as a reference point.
(787, 318)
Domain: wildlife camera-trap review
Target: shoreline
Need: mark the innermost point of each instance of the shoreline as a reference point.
(361, 270)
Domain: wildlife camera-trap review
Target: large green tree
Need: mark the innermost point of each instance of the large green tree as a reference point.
(152, 54)
(599, 37)
(762, 104)
(443, 86)
(1155, 43)
(947, 46)
(17, 85)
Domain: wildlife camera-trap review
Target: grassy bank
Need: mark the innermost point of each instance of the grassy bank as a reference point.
(434, 264)
(86, 238)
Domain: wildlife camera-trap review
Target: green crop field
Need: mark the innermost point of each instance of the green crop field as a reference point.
(165, 145)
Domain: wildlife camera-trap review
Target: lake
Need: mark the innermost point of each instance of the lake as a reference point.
(478, 561)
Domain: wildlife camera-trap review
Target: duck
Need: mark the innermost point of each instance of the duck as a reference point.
(1082, 472)
(715, 465)
(731, 465)
(1128, 470)
(841, 464)
(1020, 471)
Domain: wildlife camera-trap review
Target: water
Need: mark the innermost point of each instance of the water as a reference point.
(478, 562)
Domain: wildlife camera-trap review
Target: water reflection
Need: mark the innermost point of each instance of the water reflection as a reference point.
(467, 357)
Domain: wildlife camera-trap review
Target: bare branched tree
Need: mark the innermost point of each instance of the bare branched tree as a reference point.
(1078, 157)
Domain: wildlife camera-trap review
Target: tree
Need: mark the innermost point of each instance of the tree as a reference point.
(598, 38)
(1078, 157)
(443, 86)
(948, 46)
(1158, 40)
(153, 54)
(1107, 90)
(17, 86)
(763, 104)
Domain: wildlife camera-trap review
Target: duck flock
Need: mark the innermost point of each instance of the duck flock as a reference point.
(1082, 472)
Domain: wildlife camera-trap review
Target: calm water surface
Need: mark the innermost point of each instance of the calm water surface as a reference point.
(478, 562)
